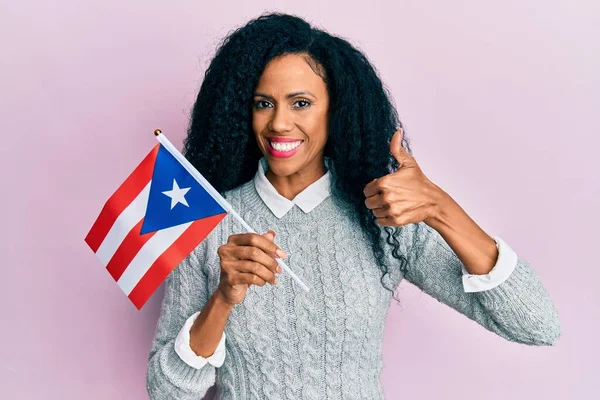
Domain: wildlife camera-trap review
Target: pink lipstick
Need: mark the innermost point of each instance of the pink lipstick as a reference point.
(283, 147)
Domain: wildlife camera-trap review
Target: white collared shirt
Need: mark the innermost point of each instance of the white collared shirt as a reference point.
(307, 200)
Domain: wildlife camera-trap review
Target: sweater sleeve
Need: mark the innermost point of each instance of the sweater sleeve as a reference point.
(519, 309)
(186, 292)
(185, 352)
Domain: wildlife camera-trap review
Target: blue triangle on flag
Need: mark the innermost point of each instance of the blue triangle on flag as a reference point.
(175, 196)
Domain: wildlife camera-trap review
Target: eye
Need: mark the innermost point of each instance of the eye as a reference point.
(262, 104)
(302, 103)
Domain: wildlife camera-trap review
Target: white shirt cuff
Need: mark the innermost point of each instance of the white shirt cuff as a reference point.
(505, 265)
(185, 352)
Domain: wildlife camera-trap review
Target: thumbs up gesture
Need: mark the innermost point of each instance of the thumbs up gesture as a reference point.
(405, 196)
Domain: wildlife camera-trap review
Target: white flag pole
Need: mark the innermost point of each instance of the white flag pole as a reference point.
(217, 196)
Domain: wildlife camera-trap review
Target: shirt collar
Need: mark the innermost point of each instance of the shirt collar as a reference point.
(307, 199)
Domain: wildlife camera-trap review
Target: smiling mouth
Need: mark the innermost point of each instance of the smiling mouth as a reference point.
(284, 146)
(283, 149)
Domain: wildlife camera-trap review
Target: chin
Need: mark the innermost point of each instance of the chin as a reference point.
(282, 166)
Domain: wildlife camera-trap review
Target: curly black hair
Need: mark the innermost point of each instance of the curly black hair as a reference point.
(362, 118)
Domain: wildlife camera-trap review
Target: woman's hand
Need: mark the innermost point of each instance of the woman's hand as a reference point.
(247, 259)
(405, 196)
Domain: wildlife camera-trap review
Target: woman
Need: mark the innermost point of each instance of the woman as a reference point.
(294, 126)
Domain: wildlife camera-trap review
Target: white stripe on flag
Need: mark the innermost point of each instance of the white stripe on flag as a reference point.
(148, 254)
(124, 223)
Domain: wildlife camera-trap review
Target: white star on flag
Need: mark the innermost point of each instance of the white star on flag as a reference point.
(177, 195)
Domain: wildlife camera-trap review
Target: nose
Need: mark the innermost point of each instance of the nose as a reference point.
(281, 121)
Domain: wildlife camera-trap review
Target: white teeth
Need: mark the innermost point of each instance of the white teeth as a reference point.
(285, 146)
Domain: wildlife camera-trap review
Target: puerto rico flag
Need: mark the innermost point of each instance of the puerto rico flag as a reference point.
(152, 222)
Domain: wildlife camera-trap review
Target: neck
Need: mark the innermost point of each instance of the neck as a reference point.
(289, 186)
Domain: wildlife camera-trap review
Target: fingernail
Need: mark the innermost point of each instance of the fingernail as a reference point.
(281, 253)
(276, 280)
(278, 269)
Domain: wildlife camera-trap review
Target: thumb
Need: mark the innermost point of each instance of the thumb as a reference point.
(397, 150)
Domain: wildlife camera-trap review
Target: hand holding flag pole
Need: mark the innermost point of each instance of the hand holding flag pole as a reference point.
(155, 219)
(217, 196)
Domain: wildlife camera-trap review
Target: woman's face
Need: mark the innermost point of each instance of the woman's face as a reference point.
(289, 117)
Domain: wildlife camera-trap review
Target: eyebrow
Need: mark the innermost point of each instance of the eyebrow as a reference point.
(287, 96)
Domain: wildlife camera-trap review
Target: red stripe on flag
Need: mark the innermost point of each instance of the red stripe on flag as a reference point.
(127, 250)
(171, 258)
(125, 194)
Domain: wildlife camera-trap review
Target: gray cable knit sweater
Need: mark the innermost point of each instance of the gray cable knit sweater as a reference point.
(284, 343)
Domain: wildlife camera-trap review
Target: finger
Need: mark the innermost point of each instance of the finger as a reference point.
(403, 158)
(252, 267)
(372, 188)
(383, 221)
(379, 185)
(381, 212)
(249, 279)
(269, 235)
(375, 201)
(255, 254)
(256, 240)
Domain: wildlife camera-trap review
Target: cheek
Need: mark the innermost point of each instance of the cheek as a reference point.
(257, 129)
(315, 127)
(256, 123)
(319, 129)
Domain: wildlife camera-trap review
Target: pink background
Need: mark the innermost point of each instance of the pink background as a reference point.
(501, 101)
